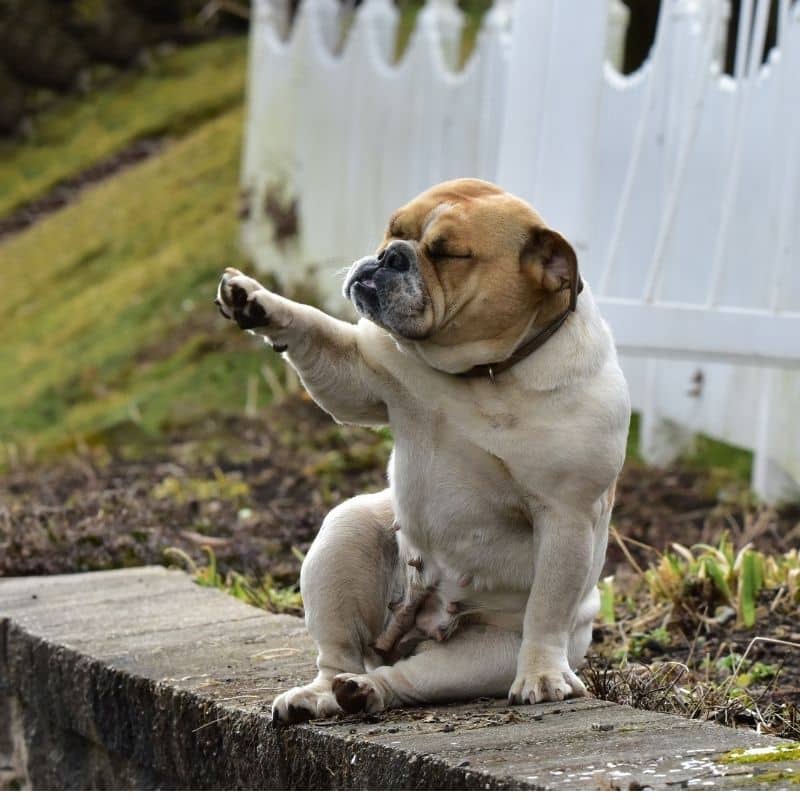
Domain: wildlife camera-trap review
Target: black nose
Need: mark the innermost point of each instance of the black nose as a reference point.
(394, 257)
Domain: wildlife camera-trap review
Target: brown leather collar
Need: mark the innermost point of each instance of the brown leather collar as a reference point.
(490, 370)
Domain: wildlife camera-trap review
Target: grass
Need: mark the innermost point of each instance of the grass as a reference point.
(756, 755)
(107, 310)
(172, 95)
(264, 593)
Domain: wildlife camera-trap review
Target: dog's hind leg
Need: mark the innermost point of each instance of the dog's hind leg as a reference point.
(346, 580)
(479, 661)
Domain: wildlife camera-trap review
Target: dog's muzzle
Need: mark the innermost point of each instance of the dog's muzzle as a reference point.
(372, 274)
(388, 290)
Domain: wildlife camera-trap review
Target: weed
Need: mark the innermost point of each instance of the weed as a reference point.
(266, 593)
(699, 589)
(607, 600)
(654, 641)
(221, 487)
(698, 579)
(668, 687)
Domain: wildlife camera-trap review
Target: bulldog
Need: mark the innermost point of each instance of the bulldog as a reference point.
(475, 572)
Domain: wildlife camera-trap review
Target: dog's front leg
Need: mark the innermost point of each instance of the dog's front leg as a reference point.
(563, 569)
(323, 350)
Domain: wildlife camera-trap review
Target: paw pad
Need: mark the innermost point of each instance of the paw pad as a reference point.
(245, 308)
(238, 297)
(252, 315)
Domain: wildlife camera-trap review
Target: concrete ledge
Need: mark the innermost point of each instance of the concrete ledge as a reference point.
(140, 678)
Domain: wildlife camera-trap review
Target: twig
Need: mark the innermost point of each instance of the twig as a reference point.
(275, 652)
(778, 597)
(272, 380)
(215, 6)
(759, 526)
(626, 552)
(693, 646)
(644, 546)
(213, 722)
(761, 639)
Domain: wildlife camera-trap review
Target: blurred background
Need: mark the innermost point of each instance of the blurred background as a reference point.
(147, 145)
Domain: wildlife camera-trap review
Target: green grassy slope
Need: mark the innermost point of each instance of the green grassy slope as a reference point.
(106, 316)
(177, 91)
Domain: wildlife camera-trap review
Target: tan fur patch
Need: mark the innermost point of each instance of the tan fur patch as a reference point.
(470, 236)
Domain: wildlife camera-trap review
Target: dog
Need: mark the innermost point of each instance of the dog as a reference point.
(475, 573)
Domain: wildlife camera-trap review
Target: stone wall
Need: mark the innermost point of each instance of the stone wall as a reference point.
(141, 679)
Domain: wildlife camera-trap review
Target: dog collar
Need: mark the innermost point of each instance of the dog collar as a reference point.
(491, 370)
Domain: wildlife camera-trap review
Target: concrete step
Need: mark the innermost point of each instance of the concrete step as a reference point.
(140, 678)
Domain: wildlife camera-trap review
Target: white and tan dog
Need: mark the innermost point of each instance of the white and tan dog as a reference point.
(475, 572)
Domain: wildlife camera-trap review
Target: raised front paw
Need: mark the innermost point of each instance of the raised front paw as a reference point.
(545, 686)
(252, 307)
(237, 299)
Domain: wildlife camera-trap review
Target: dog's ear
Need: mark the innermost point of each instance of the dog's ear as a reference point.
(551, 262)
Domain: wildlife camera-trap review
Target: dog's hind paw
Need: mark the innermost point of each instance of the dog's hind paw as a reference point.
(357, 693)
(313, 701)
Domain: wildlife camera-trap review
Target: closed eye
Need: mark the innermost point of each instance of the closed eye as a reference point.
(436, 252)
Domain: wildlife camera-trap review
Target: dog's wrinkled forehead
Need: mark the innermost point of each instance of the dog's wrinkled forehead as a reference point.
(455, 198)
(463, 207)
(433, 215)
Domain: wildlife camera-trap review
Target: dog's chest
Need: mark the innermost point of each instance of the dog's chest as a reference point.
(458, 506)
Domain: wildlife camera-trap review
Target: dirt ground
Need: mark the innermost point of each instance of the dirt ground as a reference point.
(252, 489)
(255, 488)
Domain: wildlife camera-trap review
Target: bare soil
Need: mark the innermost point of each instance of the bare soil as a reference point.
(656, 507)
(254, 488)
(249, 488)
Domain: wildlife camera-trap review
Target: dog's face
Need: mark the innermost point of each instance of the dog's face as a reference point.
(463, 263)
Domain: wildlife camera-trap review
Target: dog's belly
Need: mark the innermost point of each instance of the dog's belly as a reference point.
(459, 509)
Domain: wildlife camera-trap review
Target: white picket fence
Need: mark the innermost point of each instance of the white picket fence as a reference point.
(679, 186)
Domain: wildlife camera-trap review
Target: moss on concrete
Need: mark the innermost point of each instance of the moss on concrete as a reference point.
(763, 755)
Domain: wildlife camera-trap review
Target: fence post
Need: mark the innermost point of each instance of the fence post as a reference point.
(771, 479)
(661, 440)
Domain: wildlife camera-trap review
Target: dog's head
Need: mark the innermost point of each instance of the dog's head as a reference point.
(465, 265)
